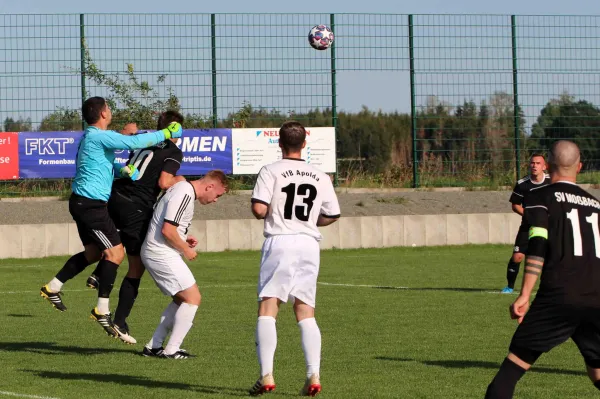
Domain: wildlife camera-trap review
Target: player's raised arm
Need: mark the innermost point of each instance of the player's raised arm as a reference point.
(117, 141)
(262, 193)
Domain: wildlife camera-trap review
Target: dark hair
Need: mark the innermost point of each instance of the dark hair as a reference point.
(291, 136)
(219, 176)
(537, 154)
(92, 108)
(167, 117)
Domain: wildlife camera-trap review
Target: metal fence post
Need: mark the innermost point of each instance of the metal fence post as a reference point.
(413, 111)
(213, 40)
(513, 29)
(334, 119)
(82, 65)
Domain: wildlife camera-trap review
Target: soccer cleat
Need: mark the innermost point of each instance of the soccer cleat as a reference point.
(124, 335)
(264, 384)
(53, 297)
(312, 386)
(507, 290)
(152, 352)
(92, 282)
(106, 322)
(180, 354)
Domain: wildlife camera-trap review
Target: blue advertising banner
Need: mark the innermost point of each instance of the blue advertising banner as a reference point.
(204, 150)
(52, 154)
(48, 154)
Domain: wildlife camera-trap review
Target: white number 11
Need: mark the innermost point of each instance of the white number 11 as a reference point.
(573, 216)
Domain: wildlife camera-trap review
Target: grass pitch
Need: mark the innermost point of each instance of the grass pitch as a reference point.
(396, 323)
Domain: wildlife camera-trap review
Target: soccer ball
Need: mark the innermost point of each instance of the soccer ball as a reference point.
(320, 37)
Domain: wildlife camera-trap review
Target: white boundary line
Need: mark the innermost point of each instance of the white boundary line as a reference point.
(400, 287)
(21, 395)
(153, 288)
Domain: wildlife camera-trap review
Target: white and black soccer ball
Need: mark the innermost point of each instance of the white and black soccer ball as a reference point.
(320, 37)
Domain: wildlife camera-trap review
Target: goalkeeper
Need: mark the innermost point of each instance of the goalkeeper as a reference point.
(88, 204)
(146, 174)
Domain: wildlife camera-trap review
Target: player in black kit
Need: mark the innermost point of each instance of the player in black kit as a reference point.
(130, 206)
(536, 178)
(564, 248)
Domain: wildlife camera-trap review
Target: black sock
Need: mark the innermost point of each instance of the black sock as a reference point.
(504, 383)
(96, 271)
(75, 265)
(597, 384)
(512, 271)
(107, 274)
(127, 294)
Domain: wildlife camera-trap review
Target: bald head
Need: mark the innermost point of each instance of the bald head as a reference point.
(564, 159)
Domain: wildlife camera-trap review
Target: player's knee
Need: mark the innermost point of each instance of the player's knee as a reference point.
(518, 257)
(92, 253)
(136, 267)
(115, 254)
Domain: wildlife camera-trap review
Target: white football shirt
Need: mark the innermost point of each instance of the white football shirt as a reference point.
(175, 207)
(297, 193)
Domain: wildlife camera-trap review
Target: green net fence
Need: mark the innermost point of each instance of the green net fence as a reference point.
(417, 101)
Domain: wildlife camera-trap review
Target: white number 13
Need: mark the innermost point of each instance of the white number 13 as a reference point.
(573, 216)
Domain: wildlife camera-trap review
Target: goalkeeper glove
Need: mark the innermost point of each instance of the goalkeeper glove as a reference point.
(173, 131)
(131, 172)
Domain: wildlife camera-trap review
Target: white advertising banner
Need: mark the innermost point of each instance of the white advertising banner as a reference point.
(254, 148)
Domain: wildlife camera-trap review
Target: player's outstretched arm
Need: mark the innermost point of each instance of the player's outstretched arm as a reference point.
(118, 141)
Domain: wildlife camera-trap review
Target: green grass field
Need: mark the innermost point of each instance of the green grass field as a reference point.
(442, 337)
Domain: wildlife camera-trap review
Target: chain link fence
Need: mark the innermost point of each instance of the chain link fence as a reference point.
(417, 100)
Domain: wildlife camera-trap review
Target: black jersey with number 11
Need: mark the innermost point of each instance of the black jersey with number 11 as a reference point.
(571, 272)
(150, 162)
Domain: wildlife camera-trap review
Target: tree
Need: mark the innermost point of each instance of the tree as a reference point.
(63, 119)
(19, 125)
(566, 118)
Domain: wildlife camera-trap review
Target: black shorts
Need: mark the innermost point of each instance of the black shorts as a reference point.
(93, 222)
(548, 324)
(521, 240)
(132, 220)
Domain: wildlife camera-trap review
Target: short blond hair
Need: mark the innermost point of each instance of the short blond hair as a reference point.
(218, 176)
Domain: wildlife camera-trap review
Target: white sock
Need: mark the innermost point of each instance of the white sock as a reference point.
(55, 285)
(311, 345)
(102, 306)
(266, 343)
(164, 327)
(184, 319)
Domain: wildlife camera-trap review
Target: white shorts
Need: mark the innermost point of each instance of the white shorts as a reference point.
(170, 273)
(289, 268)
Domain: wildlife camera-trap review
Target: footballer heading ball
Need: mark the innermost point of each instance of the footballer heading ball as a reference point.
(320, 37)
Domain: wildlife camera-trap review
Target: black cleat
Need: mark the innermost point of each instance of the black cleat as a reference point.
(152, 352)
(106, 322)
(53, 297)
(92, 282)
(180, 354)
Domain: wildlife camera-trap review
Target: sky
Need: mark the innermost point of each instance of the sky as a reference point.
(381, 85)
(531, 7)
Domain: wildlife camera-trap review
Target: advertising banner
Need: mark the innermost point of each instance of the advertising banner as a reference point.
(253, 148)
(9, 156)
